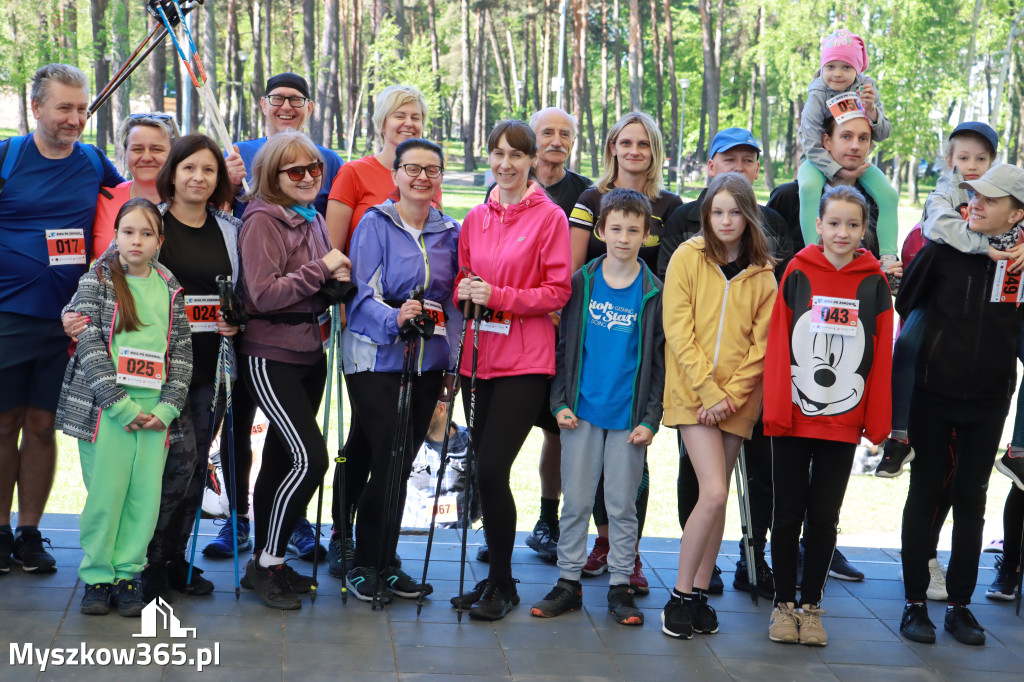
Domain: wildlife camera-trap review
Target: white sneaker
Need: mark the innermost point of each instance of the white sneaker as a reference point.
(937, 583)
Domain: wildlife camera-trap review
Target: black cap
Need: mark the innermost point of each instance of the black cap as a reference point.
(289, 80)
(983, 129)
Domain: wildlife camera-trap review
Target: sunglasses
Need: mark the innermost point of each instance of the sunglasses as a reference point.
(150, 117)
(296, 173)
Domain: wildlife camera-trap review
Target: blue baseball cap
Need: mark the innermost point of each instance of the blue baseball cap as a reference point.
(983, 129)
(732, 137)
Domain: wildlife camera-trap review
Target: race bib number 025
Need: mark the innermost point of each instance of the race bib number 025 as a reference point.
(65, 247)
(1006, 285)
(834, 315)
(202, 312)
(141, 368)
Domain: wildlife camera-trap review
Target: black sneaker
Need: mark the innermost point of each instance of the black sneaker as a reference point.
(401, 584)
(28, 551)
(916, 625)
(6, 548)
(1012, 467)
(177, 578)
(362, 582)
(716, 586)
(305, 543)
(762, 573)
(483, 553)
(703, 617)
(96, 601)
(299, 584)
(544, 540)
(495, 602)
(271, 585)
(335, 550)
(964, 627)
(675, 619)
(843, 569)
(895, 454)
(127, 597)
(154, 581)
(622, 605)
(566, 595)
(467, 599)
(1004, 587)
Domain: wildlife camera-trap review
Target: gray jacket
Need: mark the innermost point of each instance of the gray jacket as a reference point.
(812, 123)
(649, 380)
(89, 385)
(942, 221)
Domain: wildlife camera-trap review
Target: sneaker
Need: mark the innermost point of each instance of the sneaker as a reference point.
(762, 572)
(154, 581)
(936, 581)
(637, 579)
(467, 599)
(127, 597)
(1004, 587)
(597, 562)
(895, 454)
(622, 605)
(223, 547)
(784, 625)
(177, 578)
(483, 553)
(812, 632)
(271, 585)
(843, 569)
(28, 551)
(703, 617)
(716, 586)
(335, 566)
(915, 625)
(362, 582)
(544, 540)
(299, 584)
(96, 601)
(401, 584)
(963, 626)
(994, 547)
(566, 595)
(495, 602)
(676, 620)
(304, 542)
(6, 548)
(1012, 466)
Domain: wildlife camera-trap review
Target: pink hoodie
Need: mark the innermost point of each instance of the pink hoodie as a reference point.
(522, 251)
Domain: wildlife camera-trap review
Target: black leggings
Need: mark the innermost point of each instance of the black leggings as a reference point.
(375, 402)
(818, 497)
(243, 412)
(357, 467)
(294, 455)
(1013, 525)
(506, 408)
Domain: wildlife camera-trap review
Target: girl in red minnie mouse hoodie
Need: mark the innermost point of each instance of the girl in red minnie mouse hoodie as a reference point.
(826, 384)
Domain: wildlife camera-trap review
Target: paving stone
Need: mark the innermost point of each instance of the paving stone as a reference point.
(437, 659)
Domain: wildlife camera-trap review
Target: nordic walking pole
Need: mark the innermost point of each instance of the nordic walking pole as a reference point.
(471, 452)
(229, 419)
(340, 461)
(740, 471)
(335, 323)
(444, 461)
(1020, 573)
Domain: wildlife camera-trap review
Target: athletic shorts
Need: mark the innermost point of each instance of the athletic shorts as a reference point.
(546, 420)
(33, 357)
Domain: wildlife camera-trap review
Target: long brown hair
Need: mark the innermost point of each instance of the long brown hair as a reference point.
(753, 244)
(128, 320)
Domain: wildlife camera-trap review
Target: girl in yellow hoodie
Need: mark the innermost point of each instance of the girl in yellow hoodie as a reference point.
(718, 297)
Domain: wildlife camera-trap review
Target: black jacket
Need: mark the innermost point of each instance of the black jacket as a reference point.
(785, 199)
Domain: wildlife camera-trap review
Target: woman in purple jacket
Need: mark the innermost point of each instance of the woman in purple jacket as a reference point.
(286, 259)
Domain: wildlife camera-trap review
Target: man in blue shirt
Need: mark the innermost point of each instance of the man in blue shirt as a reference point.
(47, 206)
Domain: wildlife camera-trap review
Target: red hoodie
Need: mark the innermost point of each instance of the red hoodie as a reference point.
(830, 379)
(522, 251)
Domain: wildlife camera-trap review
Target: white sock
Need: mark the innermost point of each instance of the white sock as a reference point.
(267, 560)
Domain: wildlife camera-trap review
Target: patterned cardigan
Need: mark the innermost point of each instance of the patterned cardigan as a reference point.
(89, 382)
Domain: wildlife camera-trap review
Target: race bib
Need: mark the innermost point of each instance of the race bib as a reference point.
(496, 322)
(202, 312)
(324, 321)
(845, 106)
(447, 509)
(434, 312)
(140, 368)
(834, 315)
(1006, 285)
(66, 247)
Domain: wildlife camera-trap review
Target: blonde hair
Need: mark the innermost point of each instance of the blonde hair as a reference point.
(155, 119)
(392, 98)
(285, 145)
(654, 184)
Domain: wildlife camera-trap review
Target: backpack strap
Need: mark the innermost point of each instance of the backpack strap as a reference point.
(11, 155)
(93, 154)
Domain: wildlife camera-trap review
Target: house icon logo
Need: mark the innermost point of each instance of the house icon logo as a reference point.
(157, 615)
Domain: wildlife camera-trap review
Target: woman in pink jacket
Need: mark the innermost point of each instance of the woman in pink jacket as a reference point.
(516, 247)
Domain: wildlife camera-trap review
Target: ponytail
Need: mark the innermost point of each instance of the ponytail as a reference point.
(128, 319)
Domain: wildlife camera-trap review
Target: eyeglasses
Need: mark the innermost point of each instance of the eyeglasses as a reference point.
(296, 173)
(413, 170)
(150, 117)
(296, 101)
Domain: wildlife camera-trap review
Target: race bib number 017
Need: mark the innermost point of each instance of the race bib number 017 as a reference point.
(834, 315)
(65, 247)
(141, 368)
(1006, 286)
(202, 312)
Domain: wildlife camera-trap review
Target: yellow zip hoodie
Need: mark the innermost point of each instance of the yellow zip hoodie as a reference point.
(716, 331)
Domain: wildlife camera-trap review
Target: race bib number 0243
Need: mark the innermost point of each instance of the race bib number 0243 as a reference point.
(834, 315)
(141, 368)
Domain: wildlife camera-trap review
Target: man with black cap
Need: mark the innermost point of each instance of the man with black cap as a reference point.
(733, 150)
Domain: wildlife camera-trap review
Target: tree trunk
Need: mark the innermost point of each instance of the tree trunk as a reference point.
(531, 54)
(480, 79)
(604, 68)
(233, 72)
(711, 33)
(499, 66)
(517, 79)
(792, 141)
(119, 101)
(19, 62)
(912, 180)
(320, 129)
(545, 82)
(971, 47)
(403, 31)
(309, 43)
(157, 64)
(659, 68)
(766, 133)
(579, 67)
(701, 147)
(673, 144)
(258, 80)
(101, 69)
(176, 77)
(210, 56)
(268, 32)
(468, 122)
(617, 61)
(435, 68)
(69, 36)
(635, 56)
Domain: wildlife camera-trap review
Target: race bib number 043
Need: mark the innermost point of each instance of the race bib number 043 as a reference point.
(1006, 285)
(834, 315)
(141, 368)
(66, 247)
(202, 312)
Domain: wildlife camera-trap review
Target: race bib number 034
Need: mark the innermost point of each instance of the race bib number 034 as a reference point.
(66, 247)
(834, 315)
(202, 312)
(1006, 285)
(141, 368)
